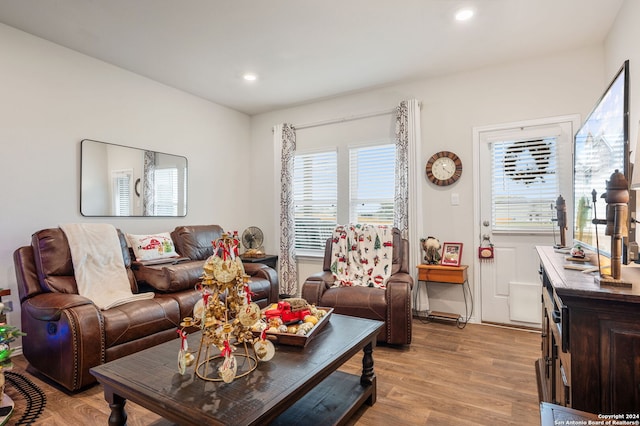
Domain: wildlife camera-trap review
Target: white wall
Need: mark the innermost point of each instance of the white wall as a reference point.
(51, 98)
(452, 105)
(622, 44)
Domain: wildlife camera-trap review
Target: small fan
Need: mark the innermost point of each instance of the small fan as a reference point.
(252, 239)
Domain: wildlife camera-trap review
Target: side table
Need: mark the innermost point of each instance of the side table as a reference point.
(271, 260)
(456, 275)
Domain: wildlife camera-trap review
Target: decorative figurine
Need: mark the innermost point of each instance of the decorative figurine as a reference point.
(578, 252)
(431, 247)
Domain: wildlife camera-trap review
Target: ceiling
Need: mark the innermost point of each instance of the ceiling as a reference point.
(305, 50)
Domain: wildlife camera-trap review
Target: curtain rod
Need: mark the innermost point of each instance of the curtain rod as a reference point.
(344, 119)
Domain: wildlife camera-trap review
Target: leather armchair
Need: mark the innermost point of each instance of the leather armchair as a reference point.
(391, 305)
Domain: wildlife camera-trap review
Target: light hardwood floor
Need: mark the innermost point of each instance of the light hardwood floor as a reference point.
(479, 375)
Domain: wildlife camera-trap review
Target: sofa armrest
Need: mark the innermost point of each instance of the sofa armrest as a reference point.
(399, 314)
(49, 306)
(401, 277)
(260, 270)
(64, 337)
(315, 286)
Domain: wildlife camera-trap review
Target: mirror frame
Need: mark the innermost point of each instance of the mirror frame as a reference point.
(96, 189)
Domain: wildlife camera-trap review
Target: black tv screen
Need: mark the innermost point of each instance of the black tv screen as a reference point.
(601, 147)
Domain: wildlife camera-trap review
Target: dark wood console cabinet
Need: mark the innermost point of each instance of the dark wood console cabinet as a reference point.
(590, 339)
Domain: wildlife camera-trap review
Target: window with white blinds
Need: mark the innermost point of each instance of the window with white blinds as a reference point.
(121, 192)
(372, 184)
(165, 191)
(315, 193)
(322, 200)
(525, 185)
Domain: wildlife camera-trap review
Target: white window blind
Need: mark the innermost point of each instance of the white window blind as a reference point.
(121, 193)
(165, 191)
(372, 183)
(525, 185)
(315, 192)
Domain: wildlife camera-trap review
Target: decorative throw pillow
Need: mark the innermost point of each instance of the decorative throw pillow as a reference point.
(150, 247)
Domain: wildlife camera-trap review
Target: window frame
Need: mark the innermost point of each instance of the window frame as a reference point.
(343, 172)
(352, 200)
(314, 252)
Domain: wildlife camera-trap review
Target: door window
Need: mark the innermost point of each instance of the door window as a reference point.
(524, 185)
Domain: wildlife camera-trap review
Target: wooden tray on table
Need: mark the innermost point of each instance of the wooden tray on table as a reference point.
(296, 339)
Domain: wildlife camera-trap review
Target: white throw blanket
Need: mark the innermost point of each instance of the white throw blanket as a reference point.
(98, 264)
(361, 255)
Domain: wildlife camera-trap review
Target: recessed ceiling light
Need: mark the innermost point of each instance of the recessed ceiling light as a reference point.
(250, 77)
(464, 14)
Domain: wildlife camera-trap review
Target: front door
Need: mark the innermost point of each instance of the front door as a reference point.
(522, 168)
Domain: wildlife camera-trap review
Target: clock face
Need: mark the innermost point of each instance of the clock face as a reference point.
(444, 168)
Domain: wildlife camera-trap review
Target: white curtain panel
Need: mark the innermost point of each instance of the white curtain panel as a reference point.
(284, 137)
(408, 197)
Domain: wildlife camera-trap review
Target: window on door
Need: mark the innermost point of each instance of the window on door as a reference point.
(525, 184)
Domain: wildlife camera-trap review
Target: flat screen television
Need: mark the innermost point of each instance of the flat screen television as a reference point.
(601, 146)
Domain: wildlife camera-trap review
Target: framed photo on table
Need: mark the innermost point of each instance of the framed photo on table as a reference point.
(451, 254)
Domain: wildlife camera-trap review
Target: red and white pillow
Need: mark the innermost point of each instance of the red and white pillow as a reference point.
(152, 247)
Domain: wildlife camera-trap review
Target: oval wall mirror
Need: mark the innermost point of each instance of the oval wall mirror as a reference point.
(118, 180)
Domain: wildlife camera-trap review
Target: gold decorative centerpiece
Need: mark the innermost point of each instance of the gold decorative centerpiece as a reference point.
(225, 314)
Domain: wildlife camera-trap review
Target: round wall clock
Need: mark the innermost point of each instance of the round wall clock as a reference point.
(444, 168)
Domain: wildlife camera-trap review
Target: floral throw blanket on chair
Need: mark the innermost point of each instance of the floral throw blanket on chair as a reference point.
(361, 255)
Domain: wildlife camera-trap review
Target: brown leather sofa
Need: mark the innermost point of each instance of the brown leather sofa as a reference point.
(66, 334)
(391, 305)
(194, 243)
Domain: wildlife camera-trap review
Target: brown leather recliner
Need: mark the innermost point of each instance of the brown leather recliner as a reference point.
(391, 305)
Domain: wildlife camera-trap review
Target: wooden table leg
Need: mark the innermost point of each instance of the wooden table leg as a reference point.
(118, 415)
(368, 377)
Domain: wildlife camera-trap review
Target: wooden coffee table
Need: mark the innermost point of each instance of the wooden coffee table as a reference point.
(298, 384)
